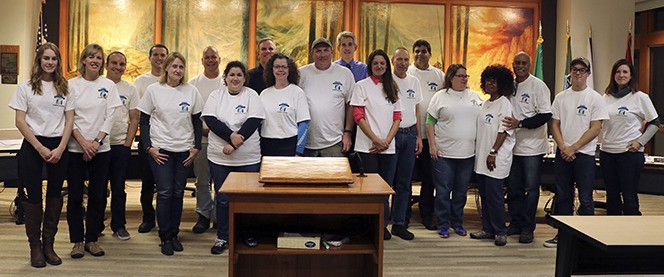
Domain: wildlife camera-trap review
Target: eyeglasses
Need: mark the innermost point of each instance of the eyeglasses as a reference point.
(280, 67)
(462, 76)
(580, 70)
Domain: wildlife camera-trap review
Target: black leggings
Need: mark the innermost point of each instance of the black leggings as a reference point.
(30, 165)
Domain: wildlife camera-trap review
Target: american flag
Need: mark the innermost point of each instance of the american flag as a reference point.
(42, 27)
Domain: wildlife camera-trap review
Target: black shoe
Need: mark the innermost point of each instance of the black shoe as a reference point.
(402, 232)
(219, 246)
(202, 225)
(386, 234)
(428, 223)
(167, 247)
(500, 240)
(526, 237)
(146, 227)
(177, 245)
(513, 230)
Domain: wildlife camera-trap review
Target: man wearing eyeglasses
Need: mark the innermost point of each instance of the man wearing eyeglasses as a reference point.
(532, 110)
(266, 48)
(431, 80)
(577, 120)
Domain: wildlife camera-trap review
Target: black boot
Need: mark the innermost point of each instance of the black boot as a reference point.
(51, 219)
(202, 224)
(18, 213)
(33, 221)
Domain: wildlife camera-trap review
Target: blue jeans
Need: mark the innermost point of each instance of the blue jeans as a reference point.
(622, 173)
(170, 178)
(493, 204)
(120, 156)
(580, 171)
(451, 176)
(405, 159)
(424, 171)
(384, 165)
(523, 191)
(219, 174)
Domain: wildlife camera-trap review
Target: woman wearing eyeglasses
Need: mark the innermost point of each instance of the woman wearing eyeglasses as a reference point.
(284, 130)
(451, 130)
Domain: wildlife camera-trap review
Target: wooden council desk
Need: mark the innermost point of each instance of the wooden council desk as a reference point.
(283, 208)
(609, 245)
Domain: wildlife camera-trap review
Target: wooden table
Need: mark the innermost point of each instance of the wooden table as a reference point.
(609, 245)
(326, 208)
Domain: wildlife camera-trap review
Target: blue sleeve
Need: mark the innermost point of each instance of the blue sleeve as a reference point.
(302, 128)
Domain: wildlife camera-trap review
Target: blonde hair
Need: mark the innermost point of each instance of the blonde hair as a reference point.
(89, 50)
(59, 81)
(167, 62)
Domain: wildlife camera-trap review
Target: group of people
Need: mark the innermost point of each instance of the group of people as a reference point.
(412, 116)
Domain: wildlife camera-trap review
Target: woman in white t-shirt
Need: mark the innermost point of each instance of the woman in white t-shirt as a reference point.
(493, 149)
(95, 101)
(284, 131)
(451, 130)
(621, 151)
(377, 111)
(171, 132)
(233, 113)
(45, 118)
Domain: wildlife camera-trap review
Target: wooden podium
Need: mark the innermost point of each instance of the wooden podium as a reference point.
(254, 205)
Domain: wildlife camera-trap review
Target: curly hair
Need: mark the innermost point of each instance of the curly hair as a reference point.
(59, 81)
(502, 75)
(293, 73)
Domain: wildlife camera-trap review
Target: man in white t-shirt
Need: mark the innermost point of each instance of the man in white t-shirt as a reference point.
(328, 87)
(431, 80)
(266, 48)
(157, 54)
(532, 110)
(577, 120)
(206, 82)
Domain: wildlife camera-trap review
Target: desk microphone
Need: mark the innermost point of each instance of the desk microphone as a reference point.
(358, 159)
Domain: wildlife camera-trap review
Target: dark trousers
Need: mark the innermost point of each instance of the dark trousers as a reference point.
(423, 167)
(405, 159)
(580, 171)
(493, 204)
(219, 174)
(147, 184)
(622, 173)
(278, 147)
(120, 156)
(384, 165)
(96, 171)
(30, 165)
(523, 191)
(451, 179)
(171, 177)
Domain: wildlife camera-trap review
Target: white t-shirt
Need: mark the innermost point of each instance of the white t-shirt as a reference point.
(44, 114)
(626, 115)
(431, 80)
(327, 93)
(206, 86)
(142, 82)
(575, 110)
(410, 94)
(489, 124)
(130, 99)
(170, 110)
(284, 108)
(456, 114)
(532, 97)
(95, 103)
(234, 110)
(378, 111)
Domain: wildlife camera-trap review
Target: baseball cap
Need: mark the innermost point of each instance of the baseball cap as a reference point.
(319, 41)
(580, 60)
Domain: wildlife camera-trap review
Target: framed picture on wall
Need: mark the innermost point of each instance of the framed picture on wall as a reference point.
(8, 63)
(10, 79)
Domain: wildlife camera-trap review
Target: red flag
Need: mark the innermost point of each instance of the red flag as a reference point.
(628, 52)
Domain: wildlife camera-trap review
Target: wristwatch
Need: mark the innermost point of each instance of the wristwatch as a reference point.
(493, 151)
(100, 141)
(520, 124)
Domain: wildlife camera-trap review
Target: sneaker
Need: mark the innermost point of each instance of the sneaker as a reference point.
(78, 250)
(552, 243)
(481, 235)
(386, 234)
(428, 223)
(177, 245)
(443, 233)
(146, 227)
(94, 249)
(513, 230)
(526, 237)
(402, 232)
(202, 225)
(501, 240)
(220, 245)
(122, 234)
(459, 230)
(167, 247)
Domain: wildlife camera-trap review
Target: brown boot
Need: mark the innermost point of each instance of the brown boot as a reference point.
(33, 221)
(51, 219)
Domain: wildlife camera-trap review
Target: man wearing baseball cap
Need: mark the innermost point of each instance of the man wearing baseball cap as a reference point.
(577, 120)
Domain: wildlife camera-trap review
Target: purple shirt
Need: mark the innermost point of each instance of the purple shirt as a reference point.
(358, 68)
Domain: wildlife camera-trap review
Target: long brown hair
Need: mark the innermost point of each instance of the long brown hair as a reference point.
(613, 85)
(59, 81)
(389, 86)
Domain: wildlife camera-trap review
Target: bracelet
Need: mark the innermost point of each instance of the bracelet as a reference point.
(147, 149)
(348, 131)
(492, 154)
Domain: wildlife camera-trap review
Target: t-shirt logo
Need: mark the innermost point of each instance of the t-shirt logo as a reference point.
(476, 103)
(410, 94)
(338, 86)
(623, 111)
(432, 86)
(283, 107)
(581, 110)
(487, 118)
(525, 97)
(241, 109)
(59, 101)
(123, 99)
(184, 106)
(103, 93)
